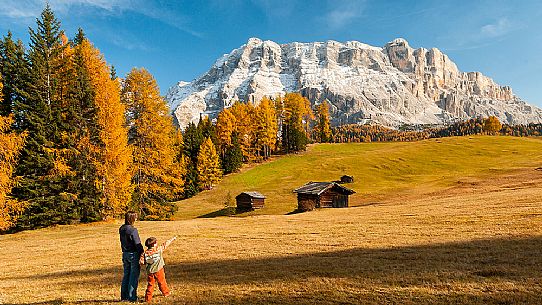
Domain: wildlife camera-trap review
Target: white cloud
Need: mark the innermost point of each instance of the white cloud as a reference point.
(344, 12)
(32, 8)
(502, 27)
(276, 8)
(127, 41)
(22, 10)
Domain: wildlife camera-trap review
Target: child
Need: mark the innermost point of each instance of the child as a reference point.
(152, 257)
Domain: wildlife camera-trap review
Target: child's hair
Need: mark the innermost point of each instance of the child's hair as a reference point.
(150, 242)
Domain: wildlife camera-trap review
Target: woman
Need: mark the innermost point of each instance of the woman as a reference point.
(131, 250)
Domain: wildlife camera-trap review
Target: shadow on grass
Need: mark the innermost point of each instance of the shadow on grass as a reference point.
(64, 302)
(222, 212)
(368, 204)
(230, 211)
(498, 271)
(296, 211)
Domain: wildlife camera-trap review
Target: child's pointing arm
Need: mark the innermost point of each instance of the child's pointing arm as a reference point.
(169, 241)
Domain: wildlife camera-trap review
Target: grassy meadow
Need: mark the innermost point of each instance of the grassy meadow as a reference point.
(449, 221)
(383, 172)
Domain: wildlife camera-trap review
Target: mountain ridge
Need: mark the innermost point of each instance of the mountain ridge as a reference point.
(390, 85)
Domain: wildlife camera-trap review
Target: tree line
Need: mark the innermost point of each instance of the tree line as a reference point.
(477, 126)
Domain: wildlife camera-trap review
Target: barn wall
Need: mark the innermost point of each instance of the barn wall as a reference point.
(244, 202)
(257, 203)
(340, 201)
(326, 199)
(306, 202)
(333, 199)
(347, 179)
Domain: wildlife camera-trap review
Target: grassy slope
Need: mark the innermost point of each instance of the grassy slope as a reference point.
(471, 234)
(381, 170)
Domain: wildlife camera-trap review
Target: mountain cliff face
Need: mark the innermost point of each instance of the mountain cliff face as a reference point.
(393, 85)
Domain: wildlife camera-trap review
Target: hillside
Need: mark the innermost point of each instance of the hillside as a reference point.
(383, 172)
(451, 222)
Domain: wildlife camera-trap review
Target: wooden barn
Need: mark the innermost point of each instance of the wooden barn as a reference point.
(347, 179)
(249, 201)
(322, 195)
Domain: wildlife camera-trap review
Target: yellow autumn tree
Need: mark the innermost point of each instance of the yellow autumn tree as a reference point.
(492, 125)
(295, 117)
(108, 149)
(266, 127)
(209, 171)
(10, 146)
(245, 128)
(225, 126)
(157, 172)
(322, 129)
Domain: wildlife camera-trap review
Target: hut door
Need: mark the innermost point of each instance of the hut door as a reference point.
(340, 201)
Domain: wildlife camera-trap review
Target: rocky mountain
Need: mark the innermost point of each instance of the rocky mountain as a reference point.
(392, 85)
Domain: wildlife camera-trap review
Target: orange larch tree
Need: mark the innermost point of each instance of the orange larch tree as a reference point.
(10, 146)
(266, 127)
(157, 174)
(105, 141)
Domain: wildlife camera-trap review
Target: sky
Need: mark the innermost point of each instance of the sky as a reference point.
(180, 40)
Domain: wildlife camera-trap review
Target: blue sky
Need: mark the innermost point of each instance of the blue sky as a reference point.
(179, 40)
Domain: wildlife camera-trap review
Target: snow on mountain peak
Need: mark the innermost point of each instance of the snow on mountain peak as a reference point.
(392, 85)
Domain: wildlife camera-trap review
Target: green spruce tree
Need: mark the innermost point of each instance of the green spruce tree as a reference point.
(193, 138)
(15, 74)
(233, 156)
(87, 138)
(45, 114)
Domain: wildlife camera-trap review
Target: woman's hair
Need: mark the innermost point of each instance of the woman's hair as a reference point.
(130, 218)
(150, 242)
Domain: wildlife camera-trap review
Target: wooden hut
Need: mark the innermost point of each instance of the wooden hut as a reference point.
(249, 201)
(347, 179)
(322, 195)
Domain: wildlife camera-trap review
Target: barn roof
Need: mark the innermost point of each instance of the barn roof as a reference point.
(317, 188)
(253, 195)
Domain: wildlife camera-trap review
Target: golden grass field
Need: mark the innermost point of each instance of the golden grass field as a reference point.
(465, 229)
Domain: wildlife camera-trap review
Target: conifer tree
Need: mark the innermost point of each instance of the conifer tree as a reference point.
(296, 119)
(157, 176)
(207, 129)
(44, 113)
(113, 73)
(266, 127)
(87, 138)
(225, 126)
(209, 171)
(191, 178)
(322, 129)
(192, 139)
(15, 73)
(10, 145)
(105, 157)
(233, 156)
(245, 128)
(180, 161)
